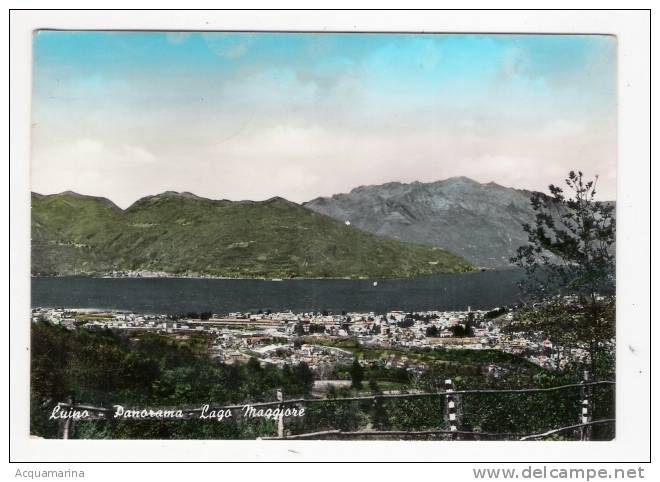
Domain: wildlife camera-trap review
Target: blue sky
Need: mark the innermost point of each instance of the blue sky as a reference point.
(252, 115)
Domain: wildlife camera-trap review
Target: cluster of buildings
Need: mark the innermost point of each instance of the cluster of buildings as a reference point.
(275, 337)
(118, 320)
(319, 358)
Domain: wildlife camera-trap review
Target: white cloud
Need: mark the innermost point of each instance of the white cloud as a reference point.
(90, 166)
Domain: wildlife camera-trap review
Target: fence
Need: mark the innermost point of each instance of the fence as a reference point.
(447, 414)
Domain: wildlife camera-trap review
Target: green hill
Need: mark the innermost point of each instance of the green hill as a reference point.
(182, 234)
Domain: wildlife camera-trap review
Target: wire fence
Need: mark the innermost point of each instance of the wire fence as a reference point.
(579, 411)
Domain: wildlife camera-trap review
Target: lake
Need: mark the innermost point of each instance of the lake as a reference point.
(481, 290)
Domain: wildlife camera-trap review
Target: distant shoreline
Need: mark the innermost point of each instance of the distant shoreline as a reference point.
(274, 279)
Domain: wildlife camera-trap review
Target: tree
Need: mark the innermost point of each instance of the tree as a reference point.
(469, 321)
(357, 374)
(316, 328)
(304, 377)
(569, 263)
(253, 365)
(432, 331)
(406, 323)
(461, 331)
(373, 386)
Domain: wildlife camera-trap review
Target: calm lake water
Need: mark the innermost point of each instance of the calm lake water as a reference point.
(173, 295)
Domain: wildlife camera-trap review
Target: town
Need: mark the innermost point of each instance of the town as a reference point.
(287, 338)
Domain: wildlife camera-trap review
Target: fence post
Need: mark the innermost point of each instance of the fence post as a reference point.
(376, 407)
(452, 407)
(280, 419)
(585, 406)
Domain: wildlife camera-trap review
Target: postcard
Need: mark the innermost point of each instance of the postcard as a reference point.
(279, 236)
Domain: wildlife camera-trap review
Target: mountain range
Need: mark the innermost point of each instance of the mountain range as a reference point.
(185, 235)
(388, 230)
(479, 222)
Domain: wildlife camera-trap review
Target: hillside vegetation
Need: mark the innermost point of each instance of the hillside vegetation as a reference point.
(182, 234)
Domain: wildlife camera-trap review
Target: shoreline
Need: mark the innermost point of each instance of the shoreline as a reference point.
(274, 279)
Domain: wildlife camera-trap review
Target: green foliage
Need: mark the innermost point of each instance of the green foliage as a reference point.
(373, 386)
(103, 368)
(570, 266)
(182, 234)
(533, 412)
(572, 240)
(357, 374)
(432, 331)
(489, 315)
(421, 413)
(454, 357)
(342, 415)
(461, 331)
